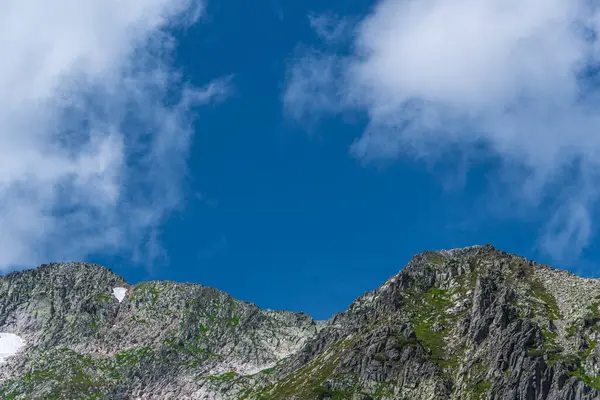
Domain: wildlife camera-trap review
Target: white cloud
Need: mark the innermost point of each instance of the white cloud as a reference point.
(506, 76)
(95, 125)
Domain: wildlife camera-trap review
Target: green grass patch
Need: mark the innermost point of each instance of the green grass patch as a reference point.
(539, 291)
(436, 259)
(226, 376)
(103, 298)
(402, 342)
(431, 310)
(134, 356)
(147, 289)
(481, 389)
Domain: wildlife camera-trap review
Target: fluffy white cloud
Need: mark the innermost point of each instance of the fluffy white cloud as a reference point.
(512, 78)
(95, 125)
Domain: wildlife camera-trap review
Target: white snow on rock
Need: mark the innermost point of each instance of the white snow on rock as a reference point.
(119, 293)
(9, 345)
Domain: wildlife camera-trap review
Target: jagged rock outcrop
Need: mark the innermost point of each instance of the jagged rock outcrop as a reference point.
(473, 323)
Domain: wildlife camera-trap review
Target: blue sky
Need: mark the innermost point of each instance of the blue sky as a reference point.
(294, 178)
(278, 211)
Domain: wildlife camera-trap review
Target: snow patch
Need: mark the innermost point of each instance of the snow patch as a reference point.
(119, 293)
(9, 345)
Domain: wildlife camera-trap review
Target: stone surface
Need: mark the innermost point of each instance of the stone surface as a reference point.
(473, 323)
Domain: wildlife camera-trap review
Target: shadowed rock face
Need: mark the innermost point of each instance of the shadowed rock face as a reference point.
(472, 323)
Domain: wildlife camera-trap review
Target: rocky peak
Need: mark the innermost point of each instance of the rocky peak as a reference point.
(466, 323)
(469, 323)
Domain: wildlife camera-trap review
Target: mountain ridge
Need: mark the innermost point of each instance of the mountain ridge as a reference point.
(468, 323)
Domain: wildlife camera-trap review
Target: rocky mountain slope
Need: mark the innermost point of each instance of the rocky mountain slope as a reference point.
(473, 323)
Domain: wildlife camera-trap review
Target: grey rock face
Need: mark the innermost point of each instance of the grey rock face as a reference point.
(472, 323)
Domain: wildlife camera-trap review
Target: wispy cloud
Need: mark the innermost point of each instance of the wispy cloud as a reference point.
(512, 80)
(331, 27)
(95, 126)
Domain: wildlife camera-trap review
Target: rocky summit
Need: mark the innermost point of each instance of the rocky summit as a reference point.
(473, 323)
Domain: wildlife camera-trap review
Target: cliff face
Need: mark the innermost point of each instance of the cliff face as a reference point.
(472, 323)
